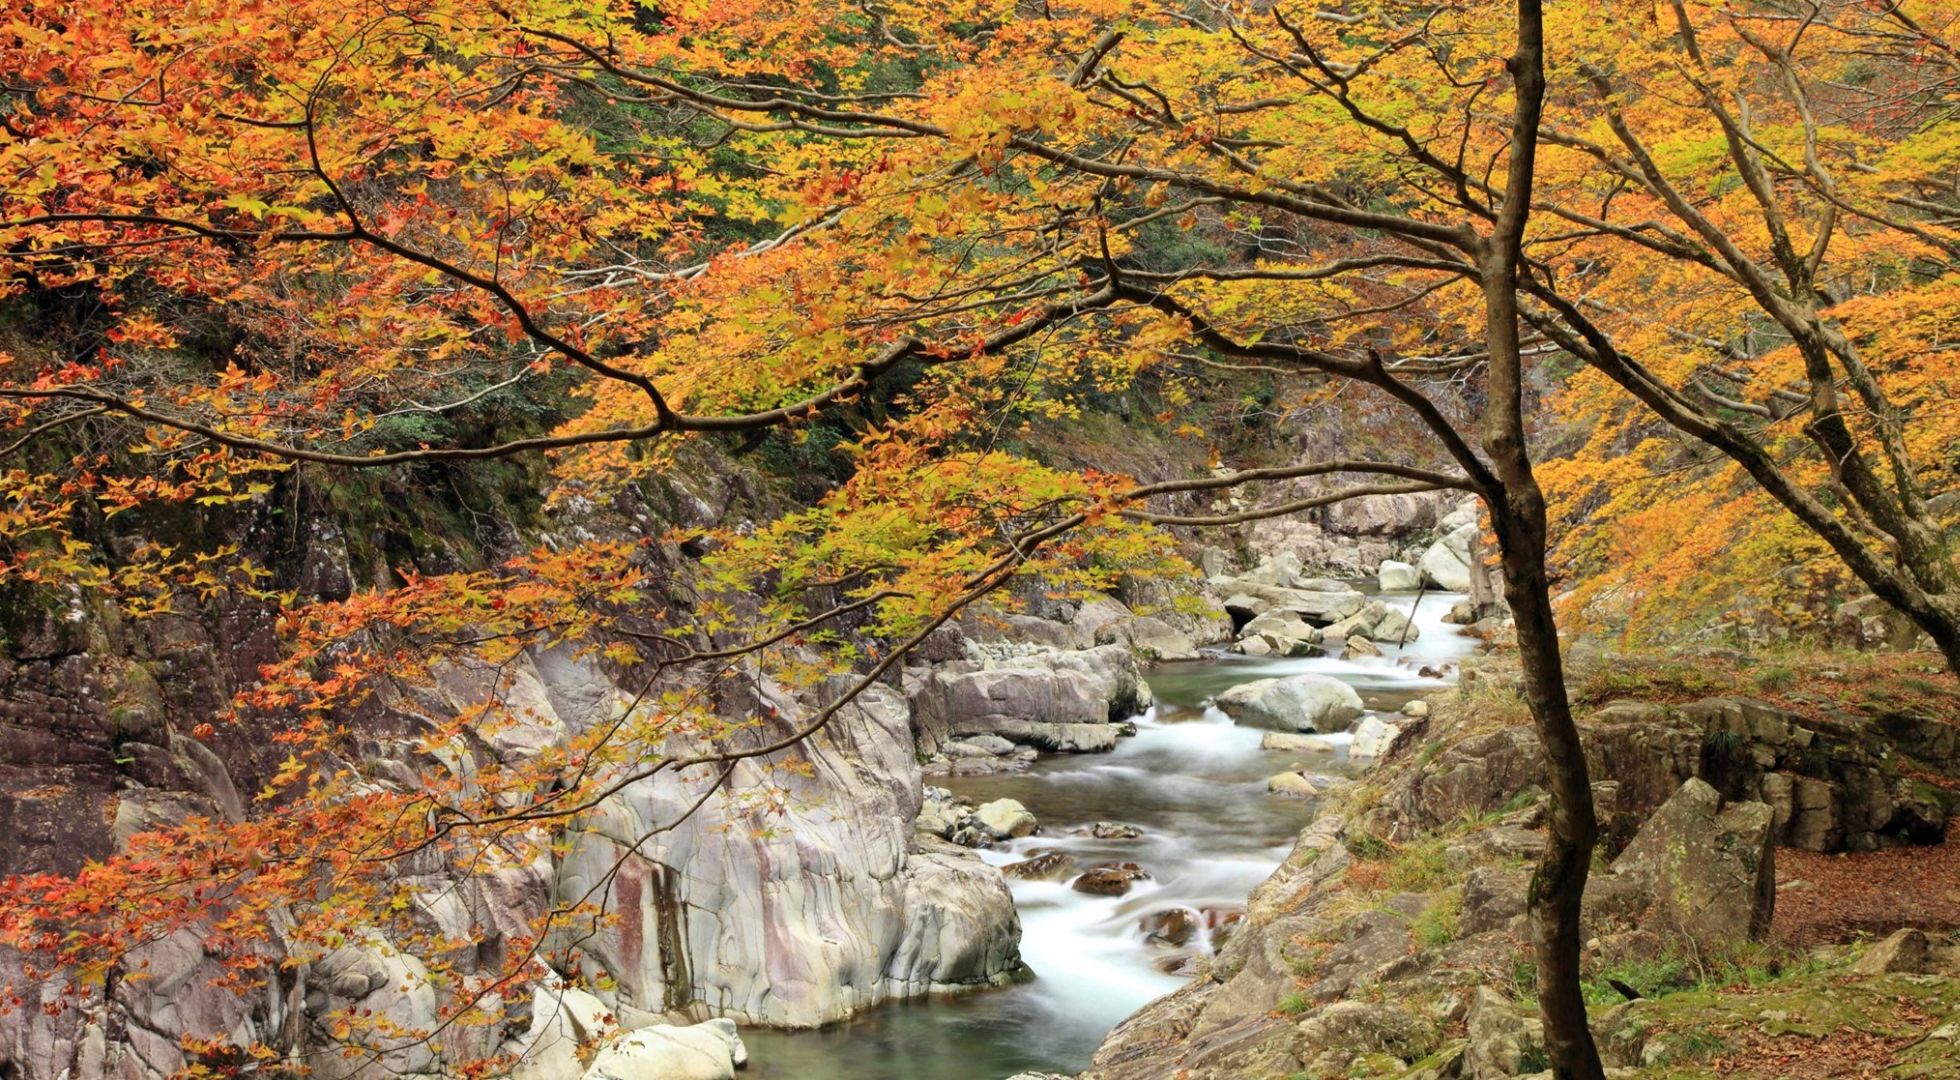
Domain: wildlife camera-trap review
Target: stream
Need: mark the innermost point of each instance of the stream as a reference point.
(1195, 783)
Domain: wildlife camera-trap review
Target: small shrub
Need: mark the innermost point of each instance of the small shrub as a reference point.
(1440, 922)
(1418, 867)
(1777, 677)
(1368, 846)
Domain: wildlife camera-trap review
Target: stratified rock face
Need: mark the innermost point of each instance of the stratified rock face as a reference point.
(1295, 703)
(799, 918)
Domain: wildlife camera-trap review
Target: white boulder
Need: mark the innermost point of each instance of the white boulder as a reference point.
(1295, 703)
(1373, 737)
(710, 1050)
(1394, 576)
(1006, 818)
(1447, 562)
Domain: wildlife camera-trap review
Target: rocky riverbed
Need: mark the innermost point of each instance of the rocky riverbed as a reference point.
(1184, 823)
(849, 890)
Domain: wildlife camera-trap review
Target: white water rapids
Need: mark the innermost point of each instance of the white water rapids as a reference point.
(1195, 783)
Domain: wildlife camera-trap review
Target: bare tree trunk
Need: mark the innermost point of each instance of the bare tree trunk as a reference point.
(1558, 886)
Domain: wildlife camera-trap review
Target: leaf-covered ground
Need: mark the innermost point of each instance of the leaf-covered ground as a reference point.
(1826, 898)
(1817, 1025)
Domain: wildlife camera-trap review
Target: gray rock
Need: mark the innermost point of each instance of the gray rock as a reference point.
(1394, 628)
(796, 918)
(1493, 899)
(1381, 515)
(1006, 819)
(1905, 951)
(1295, 703)
(1499, 1036)
(1291, 784)
(1373, 737)
(1284, 625)
(1358, 647)
(1336, 1034)
(1110, 830)
(1052, 700)
(1394, 576)
(1292, 743)
(1447, 561)
(1360, 623)
(1708, 870)
(1155, 639)
(1043, 866)
(710, 1050)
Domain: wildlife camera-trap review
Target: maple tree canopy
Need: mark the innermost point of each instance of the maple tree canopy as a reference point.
(277, 237)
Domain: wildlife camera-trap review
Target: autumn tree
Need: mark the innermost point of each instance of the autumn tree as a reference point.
(729, 218)
(1755, 239)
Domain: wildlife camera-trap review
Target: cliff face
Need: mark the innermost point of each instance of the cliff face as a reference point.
(795, 918)
(796, 895)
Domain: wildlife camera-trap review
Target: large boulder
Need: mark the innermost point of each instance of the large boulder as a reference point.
(1006, 819)
(1327, 602)
(1360, 623)
(1284, 633)
(1381, 515)
(1052, 700)
(706, 1051)
(563, 1019)
(1394, 576)
(1705, 869)
(1154, 639)
(1281, 570)
(1447, 561)
(1294, 703)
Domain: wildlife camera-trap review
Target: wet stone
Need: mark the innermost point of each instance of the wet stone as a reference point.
(1047, 864)
(1110, 879)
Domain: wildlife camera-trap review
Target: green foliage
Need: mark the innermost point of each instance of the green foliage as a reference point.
(1775, 677)
(1367, 846)
(1440, 922)
(1649, 680)
(1418, 866)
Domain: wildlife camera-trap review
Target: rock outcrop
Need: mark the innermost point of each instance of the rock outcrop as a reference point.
(1698, 868)
(793, 918)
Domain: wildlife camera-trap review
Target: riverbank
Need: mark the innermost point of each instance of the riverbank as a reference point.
(1194, 786)
(1392, 941)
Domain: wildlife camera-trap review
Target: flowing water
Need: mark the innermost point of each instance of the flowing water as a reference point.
(1195, 783)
